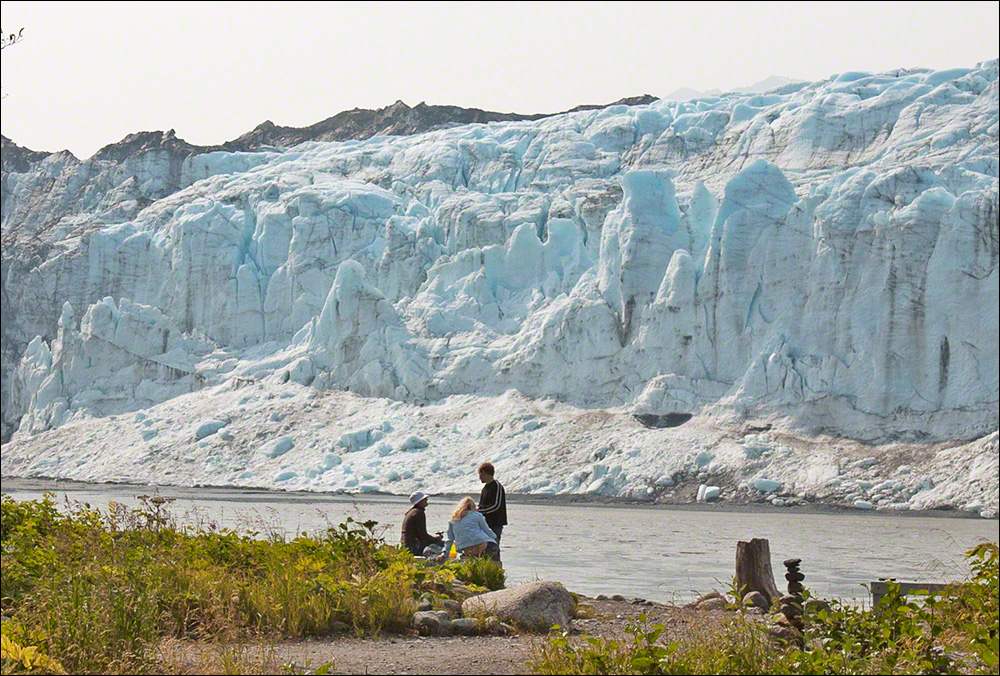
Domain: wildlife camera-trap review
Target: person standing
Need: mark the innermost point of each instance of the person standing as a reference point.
(493, 500)
(415, 536)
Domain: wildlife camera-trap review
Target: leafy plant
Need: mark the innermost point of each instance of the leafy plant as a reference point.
(101, 590)
(954, 633)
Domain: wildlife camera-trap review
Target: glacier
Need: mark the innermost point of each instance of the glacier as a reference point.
(795, 290)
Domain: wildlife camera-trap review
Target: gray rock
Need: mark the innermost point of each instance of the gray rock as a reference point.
(707, 597)
(535, 606)
(466, 626)
(425, 606)
(783, 632)
(453, 608)
(433, 623)
(601, 597)
(618, 597)
(713, 604)
(756, 600)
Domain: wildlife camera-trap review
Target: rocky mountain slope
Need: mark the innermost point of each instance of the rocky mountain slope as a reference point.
(804, 280)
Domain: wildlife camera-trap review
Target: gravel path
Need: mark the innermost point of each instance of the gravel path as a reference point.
(411, 654)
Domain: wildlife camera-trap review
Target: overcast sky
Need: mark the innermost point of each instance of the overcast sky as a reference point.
(88, 73)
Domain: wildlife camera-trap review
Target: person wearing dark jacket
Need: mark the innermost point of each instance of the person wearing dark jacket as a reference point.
(493, 501)
(415, 536)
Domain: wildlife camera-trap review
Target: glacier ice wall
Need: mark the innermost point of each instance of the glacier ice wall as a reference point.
(824, 255)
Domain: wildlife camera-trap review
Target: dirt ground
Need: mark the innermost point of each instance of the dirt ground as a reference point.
(477, 655)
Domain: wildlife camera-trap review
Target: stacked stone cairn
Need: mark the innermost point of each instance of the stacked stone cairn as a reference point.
(791, 605)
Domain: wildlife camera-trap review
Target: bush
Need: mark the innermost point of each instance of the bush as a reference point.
(479, 572)
(99, 591)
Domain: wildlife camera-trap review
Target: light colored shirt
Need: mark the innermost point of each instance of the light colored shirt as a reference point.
(469, 532)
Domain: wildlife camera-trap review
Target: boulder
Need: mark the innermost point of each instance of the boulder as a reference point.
(536, 605)
(706, 597)
(756, 600)
(208, 428)
(713, 604)
(784, 633)
(453, 608)
(816, 606)
(466, 626)
(433, 623)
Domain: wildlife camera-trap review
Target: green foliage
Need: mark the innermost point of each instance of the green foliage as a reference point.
(17, 658)
(743, 649)
(976, 610)
(954, 633)
(479, 572)
(101, 590)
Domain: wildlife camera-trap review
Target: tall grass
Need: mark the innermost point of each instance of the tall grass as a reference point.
(99, 591)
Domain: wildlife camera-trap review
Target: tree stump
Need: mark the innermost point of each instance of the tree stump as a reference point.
(753, 569)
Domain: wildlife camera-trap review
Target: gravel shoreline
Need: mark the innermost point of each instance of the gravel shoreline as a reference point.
(412, 654)
(238, 494)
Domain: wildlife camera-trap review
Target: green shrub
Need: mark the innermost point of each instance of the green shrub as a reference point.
(100, 591)
(479, 572)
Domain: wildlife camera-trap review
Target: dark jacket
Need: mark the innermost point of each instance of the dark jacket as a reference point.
(415, 536)
(493, 504)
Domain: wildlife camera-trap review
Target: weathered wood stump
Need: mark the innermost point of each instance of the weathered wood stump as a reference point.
(753, 569)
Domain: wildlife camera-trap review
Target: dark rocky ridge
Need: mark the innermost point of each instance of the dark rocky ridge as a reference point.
(359, 124)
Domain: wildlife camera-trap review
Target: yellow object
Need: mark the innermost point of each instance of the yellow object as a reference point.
(453, 554)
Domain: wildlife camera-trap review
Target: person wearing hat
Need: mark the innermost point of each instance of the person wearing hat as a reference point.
(415, 536)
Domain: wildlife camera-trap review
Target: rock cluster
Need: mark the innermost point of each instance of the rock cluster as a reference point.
(534, 606)
(790, 625)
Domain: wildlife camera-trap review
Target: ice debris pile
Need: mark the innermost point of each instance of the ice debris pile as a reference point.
(818, 262)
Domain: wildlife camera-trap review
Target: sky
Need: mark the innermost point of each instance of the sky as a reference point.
(88, 73)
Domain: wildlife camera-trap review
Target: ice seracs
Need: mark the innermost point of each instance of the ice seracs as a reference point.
(818, 260)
